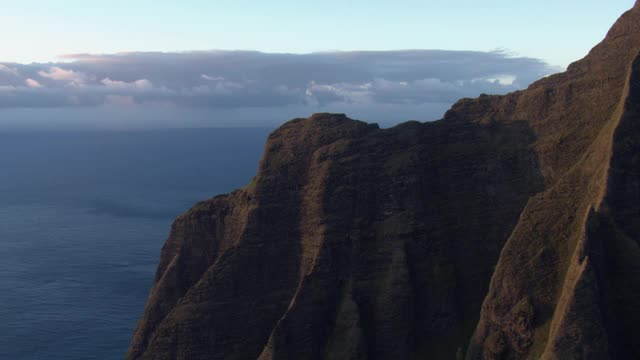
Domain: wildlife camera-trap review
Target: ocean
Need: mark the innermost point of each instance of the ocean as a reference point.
(83, 216)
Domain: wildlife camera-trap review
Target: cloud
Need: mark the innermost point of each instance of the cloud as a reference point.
(32, 83)
(212, 78)
(221, 81)
(60, 74)
(141, 84)
(7, 70)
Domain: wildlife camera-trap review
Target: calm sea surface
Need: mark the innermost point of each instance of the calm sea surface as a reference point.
(82, 220)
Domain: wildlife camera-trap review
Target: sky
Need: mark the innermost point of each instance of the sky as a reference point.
(171, 63)
(555, 31)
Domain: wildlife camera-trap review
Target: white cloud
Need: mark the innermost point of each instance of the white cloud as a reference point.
(348, 92)
(32, 83)
(142, 84)
(6, 69)
(57, 73)
(212, 78)
(115, 84)
(502, 79)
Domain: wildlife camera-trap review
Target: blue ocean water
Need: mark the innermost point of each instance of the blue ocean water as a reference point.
(82, 219)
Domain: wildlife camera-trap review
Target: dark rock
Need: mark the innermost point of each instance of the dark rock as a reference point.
(516, 216)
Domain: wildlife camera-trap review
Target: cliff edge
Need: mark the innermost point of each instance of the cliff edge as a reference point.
(508, 230)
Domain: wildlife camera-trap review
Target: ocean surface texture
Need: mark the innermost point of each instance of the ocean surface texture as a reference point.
(82, 219)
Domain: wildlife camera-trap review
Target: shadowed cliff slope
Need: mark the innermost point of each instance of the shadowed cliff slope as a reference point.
(507, 230)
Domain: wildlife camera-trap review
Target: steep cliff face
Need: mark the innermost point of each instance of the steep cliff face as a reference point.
(508, 230)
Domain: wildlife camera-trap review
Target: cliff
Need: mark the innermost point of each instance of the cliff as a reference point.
(508, 230)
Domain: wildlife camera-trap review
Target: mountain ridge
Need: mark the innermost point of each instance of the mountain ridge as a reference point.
(509, 227)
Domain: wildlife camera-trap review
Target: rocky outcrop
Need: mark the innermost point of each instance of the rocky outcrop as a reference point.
(507, 230)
